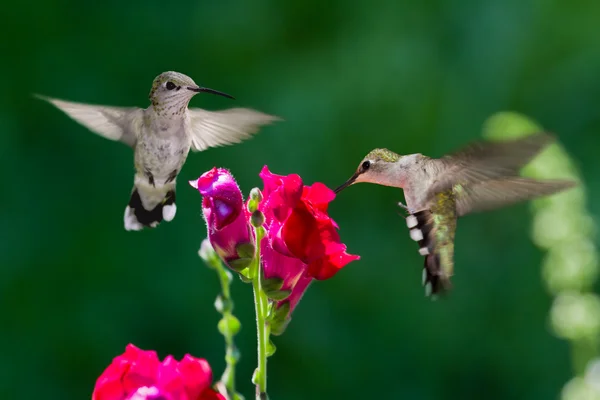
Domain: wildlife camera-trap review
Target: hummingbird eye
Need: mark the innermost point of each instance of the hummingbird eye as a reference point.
(365, 165)
(170, 86)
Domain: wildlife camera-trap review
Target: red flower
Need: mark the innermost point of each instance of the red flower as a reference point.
(302, 243)
(298, 224)
(139, 375)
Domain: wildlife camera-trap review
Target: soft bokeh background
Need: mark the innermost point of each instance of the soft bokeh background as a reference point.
(423, 76)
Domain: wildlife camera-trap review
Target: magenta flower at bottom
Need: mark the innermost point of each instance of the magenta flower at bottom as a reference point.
(226, 217)
(139, 375)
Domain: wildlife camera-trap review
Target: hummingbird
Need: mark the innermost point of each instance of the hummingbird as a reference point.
(480, 177)
(161, 137)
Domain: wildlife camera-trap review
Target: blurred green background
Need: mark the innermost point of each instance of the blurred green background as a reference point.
(414, 76)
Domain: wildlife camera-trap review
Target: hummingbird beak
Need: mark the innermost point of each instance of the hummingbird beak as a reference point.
(346, 184)
(207, 90)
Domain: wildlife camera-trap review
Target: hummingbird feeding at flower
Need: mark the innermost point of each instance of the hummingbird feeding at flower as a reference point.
(481, 177)
(161, 137)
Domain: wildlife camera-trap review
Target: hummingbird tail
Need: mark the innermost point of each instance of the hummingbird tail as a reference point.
(421, 225)
(137, 216)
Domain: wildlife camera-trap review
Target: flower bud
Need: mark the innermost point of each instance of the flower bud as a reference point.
(256, 194)
(226, 219)
(254, 200)
(257, 218)
(229, 324)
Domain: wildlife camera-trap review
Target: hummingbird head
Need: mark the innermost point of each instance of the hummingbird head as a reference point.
(377, 167)
(171, 92)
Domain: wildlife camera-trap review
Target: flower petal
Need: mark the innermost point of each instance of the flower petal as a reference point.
(127, 372)
(196, 375)
(189, 379)
(281, 194)
(277, 265)
(327, 267)
(319, 195)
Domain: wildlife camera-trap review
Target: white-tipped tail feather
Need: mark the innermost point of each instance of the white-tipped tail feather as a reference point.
(169, 211)
(147, 209)
(131, 222)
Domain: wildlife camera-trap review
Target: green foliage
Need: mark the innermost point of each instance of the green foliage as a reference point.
(564, 228)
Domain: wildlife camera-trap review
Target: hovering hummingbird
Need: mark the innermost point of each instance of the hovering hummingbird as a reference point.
(481, 177)
(161, 137)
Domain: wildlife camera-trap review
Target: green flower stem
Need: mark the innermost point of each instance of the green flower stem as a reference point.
(229, 325)
(261, 305)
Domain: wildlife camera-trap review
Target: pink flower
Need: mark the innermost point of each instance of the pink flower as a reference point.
(301, 244)
(226, 217)
(139, 375)
(298, 225)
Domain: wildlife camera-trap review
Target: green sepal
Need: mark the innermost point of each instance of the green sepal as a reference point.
(240, 264)
(277, 295)
(245, 250)
(271, 310)
(272, 287)
(245, 275)
(280, 319)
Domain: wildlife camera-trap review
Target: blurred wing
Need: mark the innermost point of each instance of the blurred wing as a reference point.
(492, 194)
(434, 231)
(481, 161)
(114, 123)
(219, 128)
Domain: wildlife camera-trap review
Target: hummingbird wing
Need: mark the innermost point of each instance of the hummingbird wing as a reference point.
(434, 230)
(492, 194)
(482, 161)
(114, 123)
(219, 128)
